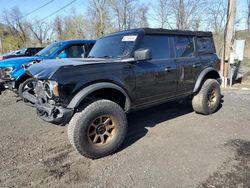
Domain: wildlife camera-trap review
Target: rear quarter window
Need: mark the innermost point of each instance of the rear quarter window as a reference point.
(205, 45)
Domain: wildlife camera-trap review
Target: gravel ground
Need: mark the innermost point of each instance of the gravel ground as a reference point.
(166, 146)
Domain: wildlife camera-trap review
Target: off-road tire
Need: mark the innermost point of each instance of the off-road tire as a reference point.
(78, 128)
(200, 101)
(22, 86)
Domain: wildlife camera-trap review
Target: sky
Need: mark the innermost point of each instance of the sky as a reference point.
(27, 6)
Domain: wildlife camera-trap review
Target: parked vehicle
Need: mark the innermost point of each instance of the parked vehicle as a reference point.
(23, 52)
(12, 71)
(127, 71)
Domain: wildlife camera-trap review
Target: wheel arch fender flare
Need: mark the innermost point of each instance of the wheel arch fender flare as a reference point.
(19, 80)
(203, 74)
(77, 99)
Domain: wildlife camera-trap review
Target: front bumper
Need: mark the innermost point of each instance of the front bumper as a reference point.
(8, 84)
(4, 84)
(2, 87)
(48, 109)
(54, 114)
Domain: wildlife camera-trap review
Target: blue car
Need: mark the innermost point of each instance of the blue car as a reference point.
(12, 71)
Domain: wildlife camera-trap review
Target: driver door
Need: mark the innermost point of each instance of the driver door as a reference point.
(156, 79)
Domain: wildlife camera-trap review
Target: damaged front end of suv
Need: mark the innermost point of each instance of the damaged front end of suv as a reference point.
(56, 87)
(48, 106)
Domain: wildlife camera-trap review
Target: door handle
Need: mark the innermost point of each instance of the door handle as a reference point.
(168, 69)
(196, 65)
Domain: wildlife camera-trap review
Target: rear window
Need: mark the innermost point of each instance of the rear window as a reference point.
(205, 45)
(184, 46)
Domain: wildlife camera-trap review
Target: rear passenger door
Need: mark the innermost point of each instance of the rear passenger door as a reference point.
(156, 79)
(187, 62)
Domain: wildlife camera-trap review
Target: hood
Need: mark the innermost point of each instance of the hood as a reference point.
(47, 68)
(17, 62)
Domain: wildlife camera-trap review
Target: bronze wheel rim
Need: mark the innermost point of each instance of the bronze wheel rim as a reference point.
(102, 130)
(211, 97)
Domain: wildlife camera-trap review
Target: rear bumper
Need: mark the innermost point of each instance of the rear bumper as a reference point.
(54, 114)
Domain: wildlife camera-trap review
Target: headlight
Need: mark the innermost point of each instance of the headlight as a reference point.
(51, 89)
(5, 73)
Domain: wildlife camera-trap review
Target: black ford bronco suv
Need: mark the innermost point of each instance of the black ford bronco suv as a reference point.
(126, 71)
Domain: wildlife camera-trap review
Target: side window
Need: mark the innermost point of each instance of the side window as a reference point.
(88, 47)
(184, 46)
(27, 52)
(75, 51)
(158, 44)
(205, 45)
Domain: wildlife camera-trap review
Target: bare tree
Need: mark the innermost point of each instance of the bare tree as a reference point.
(16, 25)
(216, 15)
(74, 27)
(116, 13)
(142, 16)
(179, 14)
(97, 13)
(187, 12)
(162, 13)
(40, 31)
(70, 26)
(124, 13)
(58, 27)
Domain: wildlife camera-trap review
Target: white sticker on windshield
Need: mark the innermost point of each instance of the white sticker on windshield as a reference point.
(129, 38)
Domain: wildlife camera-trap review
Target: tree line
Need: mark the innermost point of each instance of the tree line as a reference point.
(105, 16)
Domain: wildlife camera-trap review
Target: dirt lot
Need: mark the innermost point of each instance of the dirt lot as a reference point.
(166, 146)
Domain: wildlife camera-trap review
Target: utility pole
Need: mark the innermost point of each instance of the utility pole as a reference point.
(228, 40)
(248, 15)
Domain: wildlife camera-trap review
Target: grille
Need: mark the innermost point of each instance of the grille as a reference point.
(40, 92)
(39, 88)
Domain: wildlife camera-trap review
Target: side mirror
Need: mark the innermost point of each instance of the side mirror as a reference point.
(62, 55)
(142, 54)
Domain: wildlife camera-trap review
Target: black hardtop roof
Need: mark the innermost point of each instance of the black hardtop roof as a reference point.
(160, 31)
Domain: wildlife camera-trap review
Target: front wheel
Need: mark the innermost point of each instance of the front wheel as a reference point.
(99, 129)
(26, 90)
(207, 100)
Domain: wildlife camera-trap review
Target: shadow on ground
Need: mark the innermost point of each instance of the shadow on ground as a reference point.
(139, 121)
(236, 171)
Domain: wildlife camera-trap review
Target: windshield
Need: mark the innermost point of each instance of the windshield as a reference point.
(116, 46)
(49, 50)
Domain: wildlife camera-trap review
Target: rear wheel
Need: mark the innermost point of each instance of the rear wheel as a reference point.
(99, 129)
(207, 100)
